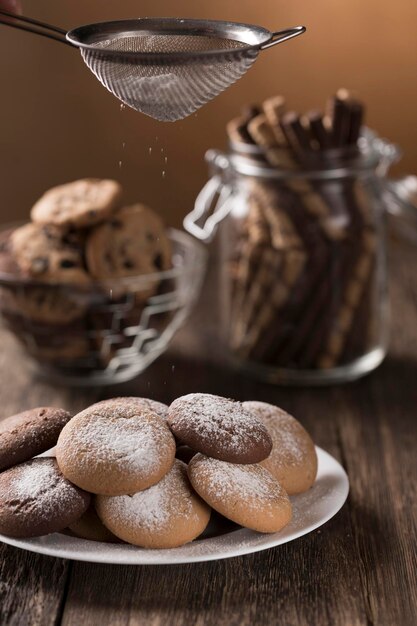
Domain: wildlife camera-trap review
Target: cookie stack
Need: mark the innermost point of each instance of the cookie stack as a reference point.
(81, 258)
(117, 475)
(303, 272)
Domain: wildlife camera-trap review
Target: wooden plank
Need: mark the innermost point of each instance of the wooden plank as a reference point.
(32, 587)
(378, 433)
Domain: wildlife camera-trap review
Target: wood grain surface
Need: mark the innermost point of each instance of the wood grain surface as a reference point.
(358, 569)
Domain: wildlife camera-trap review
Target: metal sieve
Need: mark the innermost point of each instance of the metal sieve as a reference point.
(166, 68)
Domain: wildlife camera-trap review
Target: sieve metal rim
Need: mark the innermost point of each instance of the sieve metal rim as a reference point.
(179, 26)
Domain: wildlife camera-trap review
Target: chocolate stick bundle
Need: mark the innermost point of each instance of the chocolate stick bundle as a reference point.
(296, 291)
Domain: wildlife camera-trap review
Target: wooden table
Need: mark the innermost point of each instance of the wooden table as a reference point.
(360, 568)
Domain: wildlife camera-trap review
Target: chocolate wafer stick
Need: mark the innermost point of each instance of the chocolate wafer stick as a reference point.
(282, 235)
(338, 337)
(275, 295)
(318, 130)
(364, 234)
(261, 134)
(360, 339)
(250, 111)
(340, 123)
(356, 119)
(317, 321)
(284, 239)
(237, 131)
(261, 283)
(256, 238)
(347, 119)
(336, 278)
(248, 260)
(296, 134)
(314, 249)
(274, 108)
(258, 268)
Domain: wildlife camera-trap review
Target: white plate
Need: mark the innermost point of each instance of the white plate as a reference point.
(310, 510)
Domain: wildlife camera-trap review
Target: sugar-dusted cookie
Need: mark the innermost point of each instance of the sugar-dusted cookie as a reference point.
(148, 404)
(133, 242)
(246, 494)
(27, 434)
(166, 515)
(115, 448)
(36, 499)
(48, 254)
(80, 203)
(89, 526)
(293, 460)
(220, 428)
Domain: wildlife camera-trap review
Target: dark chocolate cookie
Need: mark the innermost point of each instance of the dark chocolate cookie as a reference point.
(219, 428)
(27, 434)
(36, 499)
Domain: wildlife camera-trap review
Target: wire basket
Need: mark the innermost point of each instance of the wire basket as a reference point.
(109, 332)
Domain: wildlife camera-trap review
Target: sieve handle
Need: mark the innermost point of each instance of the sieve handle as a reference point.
(283, 35)
(34, 26)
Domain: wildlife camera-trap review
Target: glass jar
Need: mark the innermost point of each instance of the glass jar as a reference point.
(303, 280)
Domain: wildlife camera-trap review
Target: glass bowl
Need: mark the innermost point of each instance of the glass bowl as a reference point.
(110, 331)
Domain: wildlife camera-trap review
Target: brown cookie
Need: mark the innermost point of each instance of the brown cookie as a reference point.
(61, 343)
(247, 494)
(27, 434)
(47, 254)
(80, 203)
(89, 526)
(115, 448)
(63, 353)
(293, 460)
(44, 304)
(132, 243)
(146, 404)
(8, 263)
(36, 499)
(167, 515)
(220, 428)
(185, 454)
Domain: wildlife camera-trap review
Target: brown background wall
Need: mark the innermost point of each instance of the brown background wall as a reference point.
(58, 123)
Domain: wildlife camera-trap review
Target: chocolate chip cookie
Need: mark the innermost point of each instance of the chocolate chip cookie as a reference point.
(81, 203)
(133, 242)
(45, 304)
(49, 254)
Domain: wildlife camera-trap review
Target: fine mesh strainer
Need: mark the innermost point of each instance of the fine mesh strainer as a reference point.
(164, 67)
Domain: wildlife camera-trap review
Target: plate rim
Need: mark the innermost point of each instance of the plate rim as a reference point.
(246, 548)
